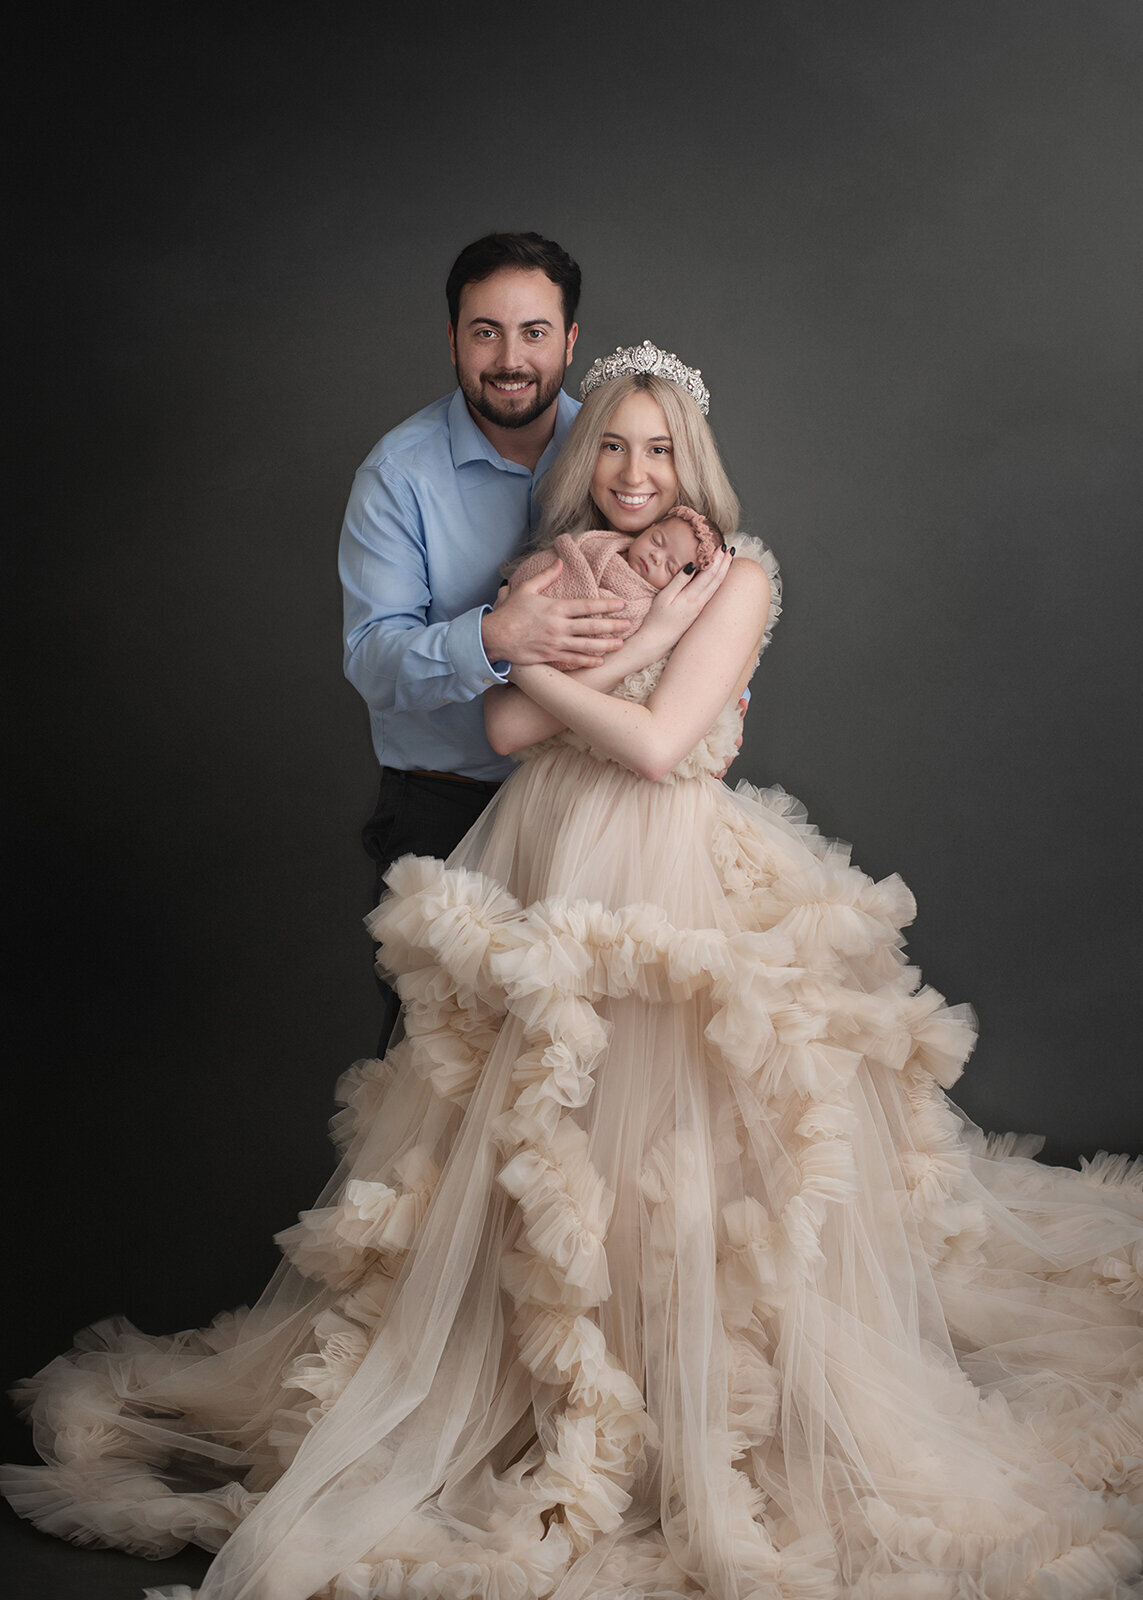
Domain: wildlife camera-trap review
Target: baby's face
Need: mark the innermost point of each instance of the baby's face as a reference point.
(662, 550)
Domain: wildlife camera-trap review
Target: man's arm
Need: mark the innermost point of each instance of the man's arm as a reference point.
(395, 658)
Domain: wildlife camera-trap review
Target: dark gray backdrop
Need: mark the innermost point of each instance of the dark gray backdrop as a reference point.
(901, 239)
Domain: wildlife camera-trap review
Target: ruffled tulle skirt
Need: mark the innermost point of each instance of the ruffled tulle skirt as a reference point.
(658, 1264)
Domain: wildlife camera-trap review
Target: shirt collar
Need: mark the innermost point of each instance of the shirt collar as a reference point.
(566, 409)
(469, 444)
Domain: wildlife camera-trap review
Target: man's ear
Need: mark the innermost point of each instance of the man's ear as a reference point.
(573, 335)
(452, 343)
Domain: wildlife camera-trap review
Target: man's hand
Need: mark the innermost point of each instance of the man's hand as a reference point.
(525, 627)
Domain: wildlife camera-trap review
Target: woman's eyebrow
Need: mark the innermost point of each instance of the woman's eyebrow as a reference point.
(655, 438)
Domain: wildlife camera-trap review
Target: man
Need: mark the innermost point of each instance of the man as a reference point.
(436, 507)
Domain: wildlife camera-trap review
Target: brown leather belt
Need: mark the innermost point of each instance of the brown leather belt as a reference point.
(455, 777)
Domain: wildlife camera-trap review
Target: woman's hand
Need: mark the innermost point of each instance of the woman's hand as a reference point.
(672, 612)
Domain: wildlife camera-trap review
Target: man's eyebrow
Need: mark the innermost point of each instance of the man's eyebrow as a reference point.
(532, 322)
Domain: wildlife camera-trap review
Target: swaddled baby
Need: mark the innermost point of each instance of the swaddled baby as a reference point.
(602, 563)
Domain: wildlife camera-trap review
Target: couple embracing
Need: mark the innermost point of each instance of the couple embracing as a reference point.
(455, 494)
(658, 1264)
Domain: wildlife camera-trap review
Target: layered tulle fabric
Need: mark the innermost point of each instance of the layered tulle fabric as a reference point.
(658, 1265)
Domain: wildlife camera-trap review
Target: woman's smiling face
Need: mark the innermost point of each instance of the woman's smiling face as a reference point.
(634, 482)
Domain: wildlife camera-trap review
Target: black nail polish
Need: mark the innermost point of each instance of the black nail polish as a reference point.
(733, 548)
(689, 568)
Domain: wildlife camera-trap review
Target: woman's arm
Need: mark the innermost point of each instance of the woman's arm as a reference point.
(708, 665)
(514, 721)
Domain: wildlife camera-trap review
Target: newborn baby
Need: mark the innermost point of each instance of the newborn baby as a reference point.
(601, 562)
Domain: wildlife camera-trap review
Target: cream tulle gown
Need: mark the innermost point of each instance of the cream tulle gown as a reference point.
(658, 1265)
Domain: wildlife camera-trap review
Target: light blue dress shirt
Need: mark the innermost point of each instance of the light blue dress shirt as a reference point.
(433, 513)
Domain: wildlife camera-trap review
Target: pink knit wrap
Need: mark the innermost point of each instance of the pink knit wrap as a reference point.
(594, 567)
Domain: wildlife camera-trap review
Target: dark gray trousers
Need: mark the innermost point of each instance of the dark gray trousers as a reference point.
(422, 816)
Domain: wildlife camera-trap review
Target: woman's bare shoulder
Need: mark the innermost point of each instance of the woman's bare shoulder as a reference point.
(745, 572)
(745, 585)
(734, 617)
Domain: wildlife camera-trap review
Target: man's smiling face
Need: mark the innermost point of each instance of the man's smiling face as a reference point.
(510, 347)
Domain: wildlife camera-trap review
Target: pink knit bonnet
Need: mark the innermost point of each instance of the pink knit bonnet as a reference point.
(710, 540)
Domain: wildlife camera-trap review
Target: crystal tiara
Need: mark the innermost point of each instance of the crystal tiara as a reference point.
(648, 358)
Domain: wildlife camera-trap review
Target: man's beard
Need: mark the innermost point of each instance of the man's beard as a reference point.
(496, 409)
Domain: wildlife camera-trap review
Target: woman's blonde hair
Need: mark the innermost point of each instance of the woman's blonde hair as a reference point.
(703, 484)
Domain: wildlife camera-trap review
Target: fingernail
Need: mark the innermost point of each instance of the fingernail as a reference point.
(689, 568)
(733, 548)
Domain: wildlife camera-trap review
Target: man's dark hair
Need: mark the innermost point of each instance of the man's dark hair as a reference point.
(485, 256)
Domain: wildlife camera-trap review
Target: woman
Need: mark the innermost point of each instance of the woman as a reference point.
(659, 1264)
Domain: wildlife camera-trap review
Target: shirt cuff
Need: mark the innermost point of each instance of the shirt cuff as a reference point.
(466, 651)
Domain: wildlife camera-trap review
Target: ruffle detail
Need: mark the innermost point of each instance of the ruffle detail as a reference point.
(594, 1444)
(547, 963)
(422, 1560)
(1082, 1553)
(361, 1092)
(1105, 1171)
(565, 1206)
(373, 1223)
(99, 1486)
(118, 1506)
